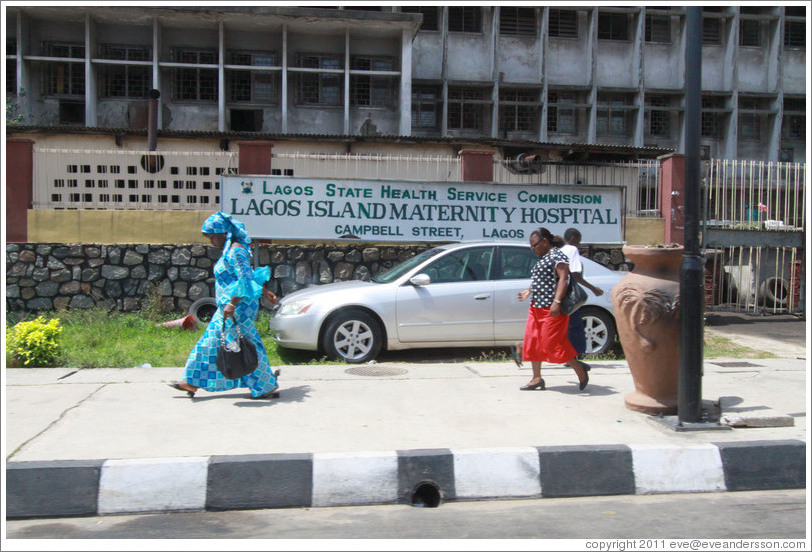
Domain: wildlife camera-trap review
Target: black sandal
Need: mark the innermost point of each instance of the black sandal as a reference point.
(269, 395)
(177, 385)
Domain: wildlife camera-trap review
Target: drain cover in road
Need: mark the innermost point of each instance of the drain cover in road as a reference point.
(738, 364)
(375, 371)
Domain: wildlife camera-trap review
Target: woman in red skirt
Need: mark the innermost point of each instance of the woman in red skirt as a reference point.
(545, 335)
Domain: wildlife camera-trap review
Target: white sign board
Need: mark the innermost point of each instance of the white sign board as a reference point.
(391, 211)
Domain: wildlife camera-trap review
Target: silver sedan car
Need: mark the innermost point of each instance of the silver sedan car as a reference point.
(456, 295)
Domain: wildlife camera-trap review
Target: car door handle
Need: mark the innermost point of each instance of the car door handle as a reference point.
(482, 297)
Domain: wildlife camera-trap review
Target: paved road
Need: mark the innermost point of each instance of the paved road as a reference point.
(744, 515)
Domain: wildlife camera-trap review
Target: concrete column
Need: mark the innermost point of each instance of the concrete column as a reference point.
(255, 157)
(284, 79)
(91, 93)
(477, 165)
(19, 187)
(544, 14)
(347, 82)
(672, 196)
(405, 83)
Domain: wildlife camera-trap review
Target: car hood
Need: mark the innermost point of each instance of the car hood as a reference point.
(337, 287)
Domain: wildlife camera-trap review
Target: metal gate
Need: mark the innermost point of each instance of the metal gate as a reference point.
(753, 236)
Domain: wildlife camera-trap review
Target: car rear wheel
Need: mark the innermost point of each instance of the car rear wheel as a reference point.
(599, 327)
(353, 336)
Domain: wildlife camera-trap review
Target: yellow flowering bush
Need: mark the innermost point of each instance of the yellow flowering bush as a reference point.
(36, 342)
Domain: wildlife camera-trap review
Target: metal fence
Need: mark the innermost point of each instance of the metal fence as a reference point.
(640, 180)
(426, 168)
(755, 195)
(753, 235)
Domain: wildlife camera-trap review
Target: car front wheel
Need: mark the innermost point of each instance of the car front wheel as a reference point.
(599, 327)
(353, 336)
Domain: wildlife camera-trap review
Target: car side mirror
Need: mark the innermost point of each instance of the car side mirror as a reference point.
(420, 280)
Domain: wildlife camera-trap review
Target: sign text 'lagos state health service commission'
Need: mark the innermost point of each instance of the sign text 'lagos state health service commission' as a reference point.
(398, 211)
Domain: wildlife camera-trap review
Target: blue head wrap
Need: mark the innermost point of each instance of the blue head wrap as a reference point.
(221, 223)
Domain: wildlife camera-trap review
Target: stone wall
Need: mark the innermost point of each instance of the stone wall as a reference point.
(123, 277)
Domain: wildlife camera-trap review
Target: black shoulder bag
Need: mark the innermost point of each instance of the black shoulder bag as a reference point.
(574, 299)
(238, 358)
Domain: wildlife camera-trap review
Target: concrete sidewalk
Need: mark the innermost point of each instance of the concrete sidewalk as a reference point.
(84, 442)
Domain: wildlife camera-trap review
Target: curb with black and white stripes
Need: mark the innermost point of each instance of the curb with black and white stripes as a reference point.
(98, 487)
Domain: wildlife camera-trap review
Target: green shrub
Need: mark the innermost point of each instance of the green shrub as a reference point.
(35, 343)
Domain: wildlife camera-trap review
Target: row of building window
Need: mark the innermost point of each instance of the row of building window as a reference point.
(467, 107)
(200, 84)
(563, 23)
(519, 110)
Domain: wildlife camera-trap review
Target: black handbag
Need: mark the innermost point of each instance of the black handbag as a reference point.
(234, 364)
(574, 299)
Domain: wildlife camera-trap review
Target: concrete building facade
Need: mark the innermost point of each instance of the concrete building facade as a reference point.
(551, 74)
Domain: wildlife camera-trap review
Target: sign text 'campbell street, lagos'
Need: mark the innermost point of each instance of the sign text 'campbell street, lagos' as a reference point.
(393, 211)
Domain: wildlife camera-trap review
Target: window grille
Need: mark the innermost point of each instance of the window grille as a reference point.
(713, 113)
(711, 30)
(613, 114)
(749, 32)
(323, 89)
(65, 79)
(794, 127)
(373, 90)
(11, 65)
(561, 115)
(192, 84)
(658, 28)
(258, 87)
(518, 110)
(465, 20)
(750, 118)
(613, 26)
(466, 109)
(563, 23)
(65, 50)
(426, 107)
(71, 113)
(517, 21)
(11, 76)
(794, 34)
(125, 81)
(657, 121)
(430, 17)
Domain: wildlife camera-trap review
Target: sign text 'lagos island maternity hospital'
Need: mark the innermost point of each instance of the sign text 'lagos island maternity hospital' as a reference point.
(320, 208)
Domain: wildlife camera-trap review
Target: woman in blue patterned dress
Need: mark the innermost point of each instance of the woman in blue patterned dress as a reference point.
(237, 292)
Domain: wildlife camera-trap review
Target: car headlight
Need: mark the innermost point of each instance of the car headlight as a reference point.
(294, 307)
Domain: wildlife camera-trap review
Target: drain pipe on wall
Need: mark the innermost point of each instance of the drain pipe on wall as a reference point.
(152, 121)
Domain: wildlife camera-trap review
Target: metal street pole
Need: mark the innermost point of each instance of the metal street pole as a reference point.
(692, 273)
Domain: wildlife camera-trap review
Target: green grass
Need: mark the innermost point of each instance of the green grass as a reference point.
(716, 347)
(96, 338)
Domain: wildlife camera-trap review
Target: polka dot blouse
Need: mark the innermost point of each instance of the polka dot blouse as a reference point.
(544, 278)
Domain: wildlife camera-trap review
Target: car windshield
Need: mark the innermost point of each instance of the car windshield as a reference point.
(399, 270)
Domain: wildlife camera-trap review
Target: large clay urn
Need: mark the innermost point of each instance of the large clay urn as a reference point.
(646, 303)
